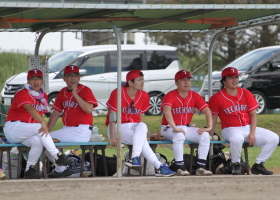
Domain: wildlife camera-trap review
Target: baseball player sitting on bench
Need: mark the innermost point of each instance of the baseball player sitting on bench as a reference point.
(24, 124)
(77, 101)
(236, 108)
(135, 102)
(178, 107)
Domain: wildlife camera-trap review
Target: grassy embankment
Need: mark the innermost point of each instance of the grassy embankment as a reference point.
(11, 64)
(269, 121)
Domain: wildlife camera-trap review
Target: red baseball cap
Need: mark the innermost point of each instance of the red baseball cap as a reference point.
(133, 74)
(34, 72)
(229, 71)
(182, 74)
(71, 69)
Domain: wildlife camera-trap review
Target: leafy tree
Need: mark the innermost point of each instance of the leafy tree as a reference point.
(193, 47)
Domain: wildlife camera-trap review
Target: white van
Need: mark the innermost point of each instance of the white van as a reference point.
(98, 68)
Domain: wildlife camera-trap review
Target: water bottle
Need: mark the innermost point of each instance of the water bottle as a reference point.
(95, 130)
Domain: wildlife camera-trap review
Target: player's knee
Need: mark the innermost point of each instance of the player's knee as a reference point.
(205, 138)
(178, 138)
(237, 140)
(274, 139)
(143, 127)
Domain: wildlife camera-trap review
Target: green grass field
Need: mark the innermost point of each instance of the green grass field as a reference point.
(269, 121)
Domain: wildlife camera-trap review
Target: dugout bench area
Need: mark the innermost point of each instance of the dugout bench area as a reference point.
(94, 147)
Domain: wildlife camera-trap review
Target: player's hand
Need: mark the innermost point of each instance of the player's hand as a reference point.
(202, 130)
(75, 88)
(113, 142)
(178, 130)
(44, 129)
(251, 139)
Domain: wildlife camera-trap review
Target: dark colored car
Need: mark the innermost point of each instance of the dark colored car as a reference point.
(260, 74)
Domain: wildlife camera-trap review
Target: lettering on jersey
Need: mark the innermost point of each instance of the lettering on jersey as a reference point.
(235, 108)
(39, 107)
(130, 110)
(70, 104)
(182, 110)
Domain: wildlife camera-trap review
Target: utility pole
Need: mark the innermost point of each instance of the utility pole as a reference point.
(61, 36)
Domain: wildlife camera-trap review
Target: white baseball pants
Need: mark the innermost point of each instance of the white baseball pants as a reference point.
(237, 135)
(191, 135)
(80, 133)
(27, 134)
(136, 134)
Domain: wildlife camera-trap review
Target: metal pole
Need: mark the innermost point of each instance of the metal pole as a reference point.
(61, 41)
(210, 92)
(125, 38)
(119, 72)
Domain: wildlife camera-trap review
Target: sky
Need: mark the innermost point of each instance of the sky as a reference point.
(25, 42)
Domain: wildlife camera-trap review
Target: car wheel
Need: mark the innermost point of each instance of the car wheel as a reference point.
(155, 102)
(52, 98)
(261, 99)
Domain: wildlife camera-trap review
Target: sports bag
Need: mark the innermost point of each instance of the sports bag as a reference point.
(221, 164)
(75, 166)
(111, 163)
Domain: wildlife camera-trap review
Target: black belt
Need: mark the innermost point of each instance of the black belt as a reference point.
(17, 121)
(183, 125)
(90, 127)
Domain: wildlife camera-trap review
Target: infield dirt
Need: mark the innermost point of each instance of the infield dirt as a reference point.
(133, 188)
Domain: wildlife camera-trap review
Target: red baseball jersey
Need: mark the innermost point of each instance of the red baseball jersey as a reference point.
(233, 110)
(182, 109)
(73, 113)
(18, 113)
(131, 109)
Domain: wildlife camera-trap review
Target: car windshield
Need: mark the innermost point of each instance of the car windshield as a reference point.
(59, 60)
(250, 60)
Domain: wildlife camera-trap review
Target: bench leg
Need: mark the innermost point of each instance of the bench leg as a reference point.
(144, 167)
(9, 163)
(211, 152)
(104, 161)
(245, 146)
(192, 151)
(19, 162)
(92, 163)
(82, 163)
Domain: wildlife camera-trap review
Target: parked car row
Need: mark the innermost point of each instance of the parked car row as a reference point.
(98, 68)
(259, 70)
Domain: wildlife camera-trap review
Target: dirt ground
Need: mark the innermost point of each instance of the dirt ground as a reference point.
(133, 188)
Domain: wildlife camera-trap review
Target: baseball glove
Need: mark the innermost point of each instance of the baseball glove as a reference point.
(55, 140)
(157, 137)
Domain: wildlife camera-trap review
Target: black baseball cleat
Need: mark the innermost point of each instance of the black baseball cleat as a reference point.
(55, 174)
(32, 173)
(260, 169)
(236, 168)
(63, 160)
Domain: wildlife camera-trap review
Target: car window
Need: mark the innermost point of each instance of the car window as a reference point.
(276, 59)
(160, 59)
(58, 61)
(130, 60)
(94, 65)
(265, 67)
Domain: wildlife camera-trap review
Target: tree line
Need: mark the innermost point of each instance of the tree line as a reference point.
(193, 47)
